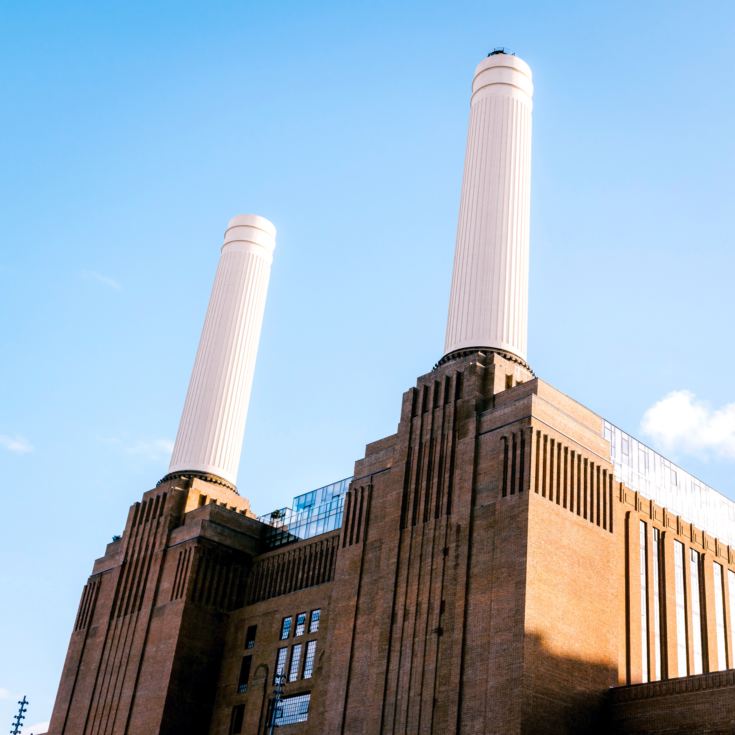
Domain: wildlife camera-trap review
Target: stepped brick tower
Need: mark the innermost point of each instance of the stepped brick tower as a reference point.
(144, 654)
(506, 562)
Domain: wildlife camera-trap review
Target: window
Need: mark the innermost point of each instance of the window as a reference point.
(696, 616)
(309, 659)
(242, 684)
(292, 710)
(644, 600)
(281, 661)
(300, 624)
(314, 622)
(307, 500)
(250, 636)
(293, 672)
(731, 596)
(655, 562)
(681, 629)
(719, 620)
(236, 718)
(286, 628)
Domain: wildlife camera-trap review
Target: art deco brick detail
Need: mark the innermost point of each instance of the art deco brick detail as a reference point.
(140, 545)
(219, 578)
(356, 514)
(572, 480)
(514, 461)
(183, 563)
(87, 604)
(294, 568)
(429, 474)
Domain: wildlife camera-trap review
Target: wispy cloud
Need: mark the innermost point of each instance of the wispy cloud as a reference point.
(149, 449)
(15, 444)
(101, 278)
(5, 694)
(680, 422)
(39, 727)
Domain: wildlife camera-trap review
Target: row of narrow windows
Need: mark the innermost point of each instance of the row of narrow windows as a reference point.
(299, 665)
(690, 632)
(300, 628)
(571, 480)
(293, 663)
(296, 669)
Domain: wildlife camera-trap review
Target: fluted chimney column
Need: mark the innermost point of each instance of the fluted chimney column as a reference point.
(209, 440)
(488, 305)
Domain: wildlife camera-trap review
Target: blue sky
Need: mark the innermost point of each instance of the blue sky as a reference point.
(131, 133)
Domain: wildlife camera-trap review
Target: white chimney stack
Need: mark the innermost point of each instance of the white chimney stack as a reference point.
(488, 306)
(212, 425)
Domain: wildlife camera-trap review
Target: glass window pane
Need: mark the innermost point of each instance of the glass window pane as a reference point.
(309, 660)
(719, 620)
(655, 565)
(696, 616)
(292, 710)
(681, 630)
(314, 623)
(281, 661)
(236, 719)
(242, 684)
(644, 600)
(293, 673)
(731, 596)
(300, 624)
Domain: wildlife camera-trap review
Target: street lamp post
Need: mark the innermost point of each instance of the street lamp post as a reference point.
(279, 679)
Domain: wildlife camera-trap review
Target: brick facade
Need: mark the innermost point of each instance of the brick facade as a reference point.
(486, 579)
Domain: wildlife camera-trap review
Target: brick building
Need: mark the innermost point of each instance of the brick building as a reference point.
(506, 562)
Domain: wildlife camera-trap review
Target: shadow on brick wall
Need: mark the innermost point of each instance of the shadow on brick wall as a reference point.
(564, 695)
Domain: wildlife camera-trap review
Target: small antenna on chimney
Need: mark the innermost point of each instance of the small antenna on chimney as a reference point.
(501, 50)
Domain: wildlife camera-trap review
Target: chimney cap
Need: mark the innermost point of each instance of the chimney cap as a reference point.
(501, 50)
(252, 220)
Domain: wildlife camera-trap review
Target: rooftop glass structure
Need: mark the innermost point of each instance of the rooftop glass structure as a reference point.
(313, 513)
(660, 480)
(636, 465)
